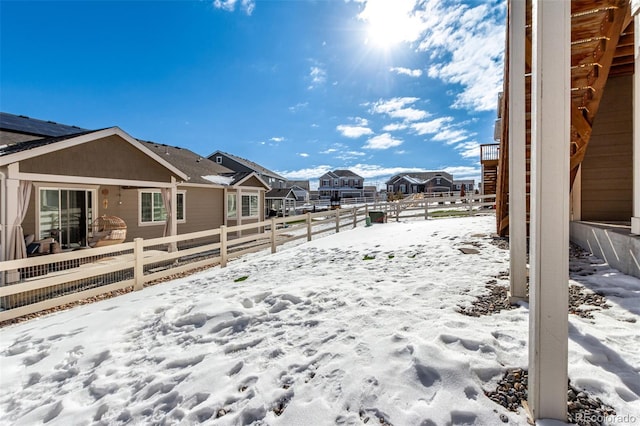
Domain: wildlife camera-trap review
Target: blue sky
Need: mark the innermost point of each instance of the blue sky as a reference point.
(299, 86)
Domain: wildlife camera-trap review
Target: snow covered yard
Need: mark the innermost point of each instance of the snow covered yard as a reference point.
(358, 327)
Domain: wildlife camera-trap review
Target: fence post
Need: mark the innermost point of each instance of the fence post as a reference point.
(273, 235)
(309, 226)
(138, 266)
(355, 217)
(398, 212)
(224, 256)
(470, 202)
(426, 210)
(366, 211)
(337, 220)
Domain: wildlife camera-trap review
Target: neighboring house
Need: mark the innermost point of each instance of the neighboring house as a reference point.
(280, 201)
(301, 189)
(239, 164)
(341, 184)
(467, 184)
(58, 185)
(413, 183)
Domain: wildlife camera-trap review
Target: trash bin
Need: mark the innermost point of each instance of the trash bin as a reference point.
(378, 217)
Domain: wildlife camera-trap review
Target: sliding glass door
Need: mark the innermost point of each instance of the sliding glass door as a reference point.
(66, 215)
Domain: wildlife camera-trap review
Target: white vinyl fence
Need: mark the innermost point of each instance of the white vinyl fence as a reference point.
(44, 282)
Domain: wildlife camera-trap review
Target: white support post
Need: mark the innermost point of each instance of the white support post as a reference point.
(12, 185)
(517, 154)
(548, 317)
(635, 220)
(426, 209)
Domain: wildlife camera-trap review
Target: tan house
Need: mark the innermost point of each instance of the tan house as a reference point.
(56, 180)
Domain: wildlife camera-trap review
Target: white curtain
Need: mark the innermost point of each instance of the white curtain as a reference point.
(166, 199)
(17, 248)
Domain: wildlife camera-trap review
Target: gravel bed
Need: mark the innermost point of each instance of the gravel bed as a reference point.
(584, 410)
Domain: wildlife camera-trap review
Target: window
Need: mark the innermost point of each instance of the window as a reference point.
(389, 188)
(249, 205)
(438, 181)
(232, 210)
(325, 182)
(403, 188)
(152, 207)
(218, 159)
(336, 182)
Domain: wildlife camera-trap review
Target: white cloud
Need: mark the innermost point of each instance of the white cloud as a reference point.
(303, 154)
(399, 108)
(406, 71)
(470, 149)
(298, 106)
(466, 45)
(463, 41)
(230, 5)
(277, 139)
(394, 127)
(451, 136)
(329, 151)
(318, 76)
(350, 155)
(353, 131)
(433, 126)
(308, 173)
(383, 141)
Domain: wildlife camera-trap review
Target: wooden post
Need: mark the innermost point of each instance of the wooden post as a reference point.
(309, 227)
(551, 120)
(337, 220)
(138, 266)
(273, 235)
(426, 209)
(635, 219)
(517, 154)
(398, 211)
(355, 216)
(224, 256)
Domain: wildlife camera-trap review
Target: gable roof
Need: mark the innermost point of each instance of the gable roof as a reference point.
(279, 193)
(304, 184)
(32, 126)
(346, 173)
(30, 149)
(193, 165)
(249, 164)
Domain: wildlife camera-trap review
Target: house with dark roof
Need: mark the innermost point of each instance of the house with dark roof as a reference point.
(427, 182)
(56, 180)
(338, 184)
(239, 164)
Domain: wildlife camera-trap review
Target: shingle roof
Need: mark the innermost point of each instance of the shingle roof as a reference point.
(346, 173)
(250, 164)
(33, 126)
(193, 165)
(278, 193)
(26, 146)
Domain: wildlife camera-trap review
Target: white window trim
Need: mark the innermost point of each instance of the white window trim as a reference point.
(72, 187)
(160, 222)
(219, 159)
(239, 207)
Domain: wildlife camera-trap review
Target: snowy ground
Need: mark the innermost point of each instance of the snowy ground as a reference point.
(354, 328)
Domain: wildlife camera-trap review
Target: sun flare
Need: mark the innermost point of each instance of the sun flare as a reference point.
(389, 22)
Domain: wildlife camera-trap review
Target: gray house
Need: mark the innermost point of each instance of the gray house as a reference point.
(413, 183)
(239, 164)
(341, 184)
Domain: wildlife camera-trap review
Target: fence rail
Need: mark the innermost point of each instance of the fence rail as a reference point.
(44, 282)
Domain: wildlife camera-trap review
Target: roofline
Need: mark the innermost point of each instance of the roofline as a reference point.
(244, 162)
(89, 137)
(254, 174)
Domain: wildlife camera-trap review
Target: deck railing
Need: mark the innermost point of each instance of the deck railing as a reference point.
(45, 282)
(490, 152)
